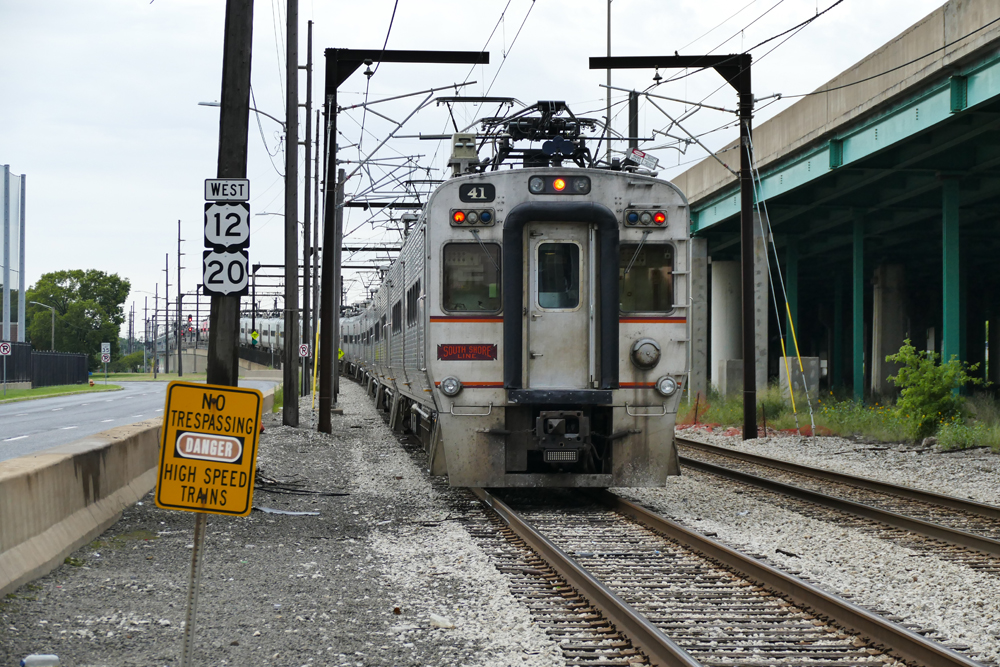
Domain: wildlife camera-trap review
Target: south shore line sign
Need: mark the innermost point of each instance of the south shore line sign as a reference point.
(208, 450)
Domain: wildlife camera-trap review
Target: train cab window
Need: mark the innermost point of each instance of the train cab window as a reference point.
(645, 277)
(558, 275)
(472, 277)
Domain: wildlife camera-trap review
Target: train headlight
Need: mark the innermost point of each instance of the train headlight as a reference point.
(645, 353)
(486, 217)
(632, 217)
(472, 217)
(458, 216)
(646, 217)
(581, 186)
(666, 385)
(536, 185)
(450, 386)
(659, 217)
(559, 185)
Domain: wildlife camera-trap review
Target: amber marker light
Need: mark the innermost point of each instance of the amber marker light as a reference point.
(659, 217)
(459, 216)
(559, 184)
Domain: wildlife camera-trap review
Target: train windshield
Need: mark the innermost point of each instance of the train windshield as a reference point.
(472, 277)
(558, 275)
(645, 277)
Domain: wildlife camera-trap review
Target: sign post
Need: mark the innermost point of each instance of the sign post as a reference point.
(208, 457)
(4, 352)
(105, 358)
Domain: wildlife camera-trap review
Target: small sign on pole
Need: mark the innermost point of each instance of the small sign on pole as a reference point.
(208, 457)
(304, 350)
(105, 358)
(5, 352)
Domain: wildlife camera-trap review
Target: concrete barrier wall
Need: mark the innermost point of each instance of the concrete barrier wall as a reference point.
(54, 502)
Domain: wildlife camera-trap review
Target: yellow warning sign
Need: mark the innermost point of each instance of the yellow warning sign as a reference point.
(208, 451)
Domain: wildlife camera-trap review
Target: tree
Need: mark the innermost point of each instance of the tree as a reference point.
(89, 311)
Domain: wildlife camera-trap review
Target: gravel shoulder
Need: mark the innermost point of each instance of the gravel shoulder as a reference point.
(369, 581)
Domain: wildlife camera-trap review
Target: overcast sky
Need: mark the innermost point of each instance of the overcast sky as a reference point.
(99, 99)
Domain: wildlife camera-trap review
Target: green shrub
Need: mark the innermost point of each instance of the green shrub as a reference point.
(929, 390)
(279, 398)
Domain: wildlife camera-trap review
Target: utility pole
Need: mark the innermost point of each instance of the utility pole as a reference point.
(305, 210)
(145, 331)
(156, 303)
(166, 315)
(180, 314)
(290, 412)
(234, 121)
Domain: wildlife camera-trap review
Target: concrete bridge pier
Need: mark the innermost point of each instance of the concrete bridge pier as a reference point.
(725, 332)
(890, 324)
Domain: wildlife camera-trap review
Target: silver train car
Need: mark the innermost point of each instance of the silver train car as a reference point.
(533, 330)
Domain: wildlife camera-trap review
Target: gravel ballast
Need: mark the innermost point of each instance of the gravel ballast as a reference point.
(387, 575)
(383, 576)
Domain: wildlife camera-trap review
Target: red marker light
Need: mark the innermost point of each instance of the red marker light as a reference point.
(559, 184)
(659, 217)
(459, 216)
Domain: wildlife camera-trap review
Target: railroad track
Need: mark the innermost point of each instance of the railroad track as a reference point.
(616, 584)
(967, 530)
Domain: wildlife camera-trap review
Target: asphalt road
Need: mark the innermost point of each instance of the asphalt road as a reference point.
(27, 427)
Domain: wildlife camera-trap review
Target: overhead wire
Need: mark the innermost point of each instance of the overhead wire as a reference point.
(512, 42)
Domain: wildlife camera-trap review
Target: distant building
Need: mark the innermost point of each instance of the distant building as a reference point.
(12, 199)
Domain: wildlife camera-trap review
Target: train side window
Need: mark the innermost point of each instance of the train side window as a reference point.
(649, 284)
(413, 304)
(471, 277)
(397, 316)
(558, 275)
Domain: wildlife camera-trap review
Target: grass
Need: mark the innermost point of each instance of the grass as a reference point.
(841, 415)
(279, 398)
(148, 377)
(14, 395)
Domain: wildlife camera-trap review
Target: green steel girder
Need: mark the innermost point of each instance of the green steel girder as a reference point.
(916, 129)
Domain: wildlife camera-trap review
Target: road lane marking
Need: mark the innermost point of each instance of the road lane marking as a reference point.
(56, 409)
(134, 416)
(103, 421)
(66, 428)
(21, 414)
(20, 437)
(159, 409)
(85, 404)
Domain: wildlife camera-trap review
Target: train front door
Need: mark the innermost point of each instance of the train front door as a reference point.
(558, 342)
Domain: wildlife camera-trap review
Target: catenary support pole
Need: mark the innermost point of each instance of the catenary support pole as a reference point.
(338, 281)
(315, 249)
(746, 253)
(306, 192)
(735, 69)
(290, 411)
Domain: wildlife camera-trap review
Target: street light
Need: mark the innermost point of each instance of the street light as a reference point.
(262, 113)
(53, 321)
